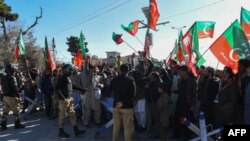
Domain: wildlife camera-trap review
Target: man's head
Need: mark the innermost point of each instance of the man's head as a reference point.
(183, 71)
(201, 70)
(10, 69)
(94, 70)
(124, 69)
(67, 69)
(154, 76)
(227, 75)
(243, 64)
(209, 72)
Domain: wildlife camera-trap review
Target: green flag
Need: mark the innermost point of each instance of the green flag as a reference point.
(22, 50)
(82, 45)
(190, 42)
(205, 29)
(245, 21)
(231, 46)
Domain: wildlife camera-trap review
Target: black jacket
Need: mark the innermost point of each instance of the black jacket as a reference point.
(64, 87)
(9, 86)
(46, 85)
(124, 90)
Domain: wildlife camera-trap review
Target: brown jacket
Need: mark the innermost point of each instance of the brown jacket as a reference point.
(163, 110)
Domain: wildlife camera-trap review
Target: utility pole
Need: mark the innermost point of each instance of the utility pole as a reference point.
(53, 47)
(146, 11)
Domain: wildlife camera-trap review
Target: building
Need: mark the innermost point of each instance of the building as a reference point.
(111, 58)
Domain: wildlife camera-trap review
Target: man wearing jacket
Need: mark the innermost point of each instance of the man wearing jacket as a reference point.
(66, 104)
(10, 97)
(124, 90)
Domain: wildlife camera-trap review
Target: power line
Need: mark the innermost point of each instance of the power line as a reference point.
(90, 14)
(91, 18)
(193, 10)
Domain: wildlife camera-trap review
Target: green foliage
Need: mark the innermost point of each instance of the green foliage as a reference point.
(5, 12)
(73, 43)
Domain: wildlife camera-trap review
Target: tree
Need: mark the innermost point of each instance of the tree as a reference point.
(5, 16)
(8, 39)
(73, 43)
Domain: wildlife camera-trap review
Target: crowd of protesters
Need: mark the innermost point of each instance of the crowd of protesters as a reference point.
(147, 98)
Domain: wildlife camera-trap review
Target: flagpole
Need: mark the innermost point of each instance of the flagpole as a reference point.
(131, 47)
(179, 30)
(26, 64)
(139, 41)
(217, 64)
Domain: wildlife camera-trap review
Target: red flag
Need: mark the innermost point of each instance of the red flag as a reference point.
(17, 52)
(154, 14)
(50, 64)
(78, 60)
(245, 21)
(189, 40)
(180, 54)
(51, 61)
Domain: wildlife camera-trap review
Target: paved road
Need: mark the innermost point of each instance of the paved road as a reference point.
(40, 128)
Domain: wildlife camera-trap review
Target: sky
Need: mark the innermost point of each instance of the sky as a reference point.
(97, 19)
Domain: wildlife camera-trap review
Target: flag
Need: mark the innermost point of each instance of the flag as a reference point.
(78, 60)
(245, 21)
(82, 45)
(205, 29)
(17, 52)
(231, 46)
(117, 38)
(20, 48)
(147, 47)
(173, 55)
(49, 61)
(190, 42)
(153, 14)
(132, 27)
(180, 51)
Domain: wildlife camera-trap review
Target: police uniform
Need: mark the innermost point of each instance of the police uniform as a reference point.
(10, 97)
(66, 104)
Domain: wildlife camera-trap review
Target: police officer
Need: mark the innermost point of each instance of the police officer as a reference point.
(64, 91)
(11, 97)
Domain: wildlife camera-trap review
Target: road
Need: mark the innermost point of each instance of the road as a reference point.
(40, 128)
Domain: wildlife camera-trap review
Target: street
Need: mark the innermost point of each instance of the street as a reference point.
(40, 128)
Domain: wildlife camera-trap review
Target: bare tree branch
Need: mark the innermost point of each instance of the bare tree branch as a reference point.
(35, 22)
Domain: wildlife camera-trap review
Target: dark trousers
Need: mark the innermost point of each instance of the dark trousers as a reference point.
(48, 104)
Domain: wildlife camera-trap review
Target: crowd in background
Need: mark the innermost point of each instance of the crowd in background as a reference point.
(161, 96)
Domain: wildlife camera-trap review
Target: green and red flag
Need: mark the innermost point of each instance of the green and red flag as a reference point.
(132, 27)
(180, 52)
(173, 54)
(82, 45)
(245, 21)
(205, 29)
(117, 38)
(190, 42)
(153, 14)
(231, 46)
(20, 48)
(49, 61)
